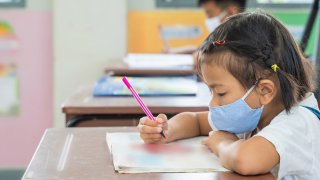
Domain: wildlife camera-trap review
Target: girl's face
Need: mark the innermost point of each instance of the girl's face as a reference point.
(225, 88)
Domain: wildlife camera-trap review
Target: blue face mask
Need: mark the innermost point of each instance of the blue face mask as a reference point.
(237, 117)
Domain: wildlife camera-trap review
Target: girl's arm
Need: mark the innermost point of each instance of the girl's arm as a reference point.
(188, 124)
(247, 157)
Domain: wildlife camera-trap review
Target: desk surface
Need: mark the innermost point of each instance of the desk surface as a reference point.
(86, 156)
(82, 102)
(119, 68)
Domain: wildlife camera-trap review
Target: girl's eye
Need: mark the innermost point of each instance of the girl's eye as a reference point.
(221, 94)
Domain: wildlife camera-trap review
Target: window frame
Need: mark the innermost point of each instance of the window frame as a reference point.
(255, 4)
(13, 4)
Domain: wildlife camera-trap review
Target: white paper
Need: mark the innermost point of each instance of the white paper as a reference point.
(131, 155)
(159, 61)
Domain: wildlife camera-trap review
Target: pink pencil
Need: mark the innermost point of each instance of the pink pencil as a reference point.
(138, 98)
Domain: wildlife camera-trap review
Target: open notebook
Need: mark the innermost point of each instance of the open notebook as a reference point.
(131, 155)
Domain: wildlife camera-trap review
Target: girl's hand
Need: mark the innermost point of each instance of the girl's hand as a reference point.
(216, 138)
(150, 130)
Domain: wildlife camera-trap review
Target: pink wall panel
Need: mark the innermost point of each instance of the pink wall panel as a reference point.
(19, 136)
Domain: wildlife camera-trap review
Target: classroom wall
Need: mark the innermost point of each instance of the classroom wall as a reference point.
(33, 59)
(86, 35)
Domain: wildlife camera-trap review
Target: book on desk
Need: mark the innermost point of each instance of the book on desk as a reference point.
(147, 86)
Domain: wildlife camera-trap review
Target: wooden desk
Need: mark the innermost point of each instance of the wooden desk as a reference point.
(119, 68)
(88, 158)
(125, 111)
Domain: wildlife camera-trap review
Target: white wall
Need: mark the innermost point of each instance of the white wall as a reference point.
(86, 34)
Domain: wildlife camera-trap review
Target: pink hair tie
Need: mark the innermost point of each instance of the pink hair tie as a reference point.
(219, 42)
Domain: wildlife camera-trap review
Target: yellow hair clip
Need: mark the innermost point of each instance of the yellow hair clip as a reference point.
(275, 67)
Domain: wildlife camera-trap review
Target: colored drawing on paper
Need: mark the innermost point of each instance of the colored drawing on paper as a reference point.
(8, 40)
(131, 155)
(141, 156)
(156, 149)
(9, 91)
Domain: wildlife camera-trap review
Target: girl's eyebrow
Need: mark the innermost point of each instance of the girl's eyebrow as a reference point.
(214, 85)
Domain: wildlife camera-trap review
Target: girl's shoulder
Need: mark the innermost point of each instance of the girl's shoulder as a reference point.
(310, 101)
(295, 136)
(299, 125)
(299, 117)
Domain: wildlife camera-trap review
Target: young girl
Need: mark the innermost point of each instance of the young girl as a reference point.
(258, 119)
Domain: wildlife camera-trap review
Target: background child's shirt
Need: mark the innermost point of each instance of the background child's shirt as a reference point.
(296, 137)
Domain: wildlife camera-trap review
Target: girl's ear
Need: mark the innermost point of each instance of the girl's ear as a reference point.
(266, 90)
(232, 10)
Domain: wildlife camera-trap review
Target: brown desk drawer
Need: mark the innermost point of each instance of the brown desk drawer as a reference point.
(105, 120)
(108, 123)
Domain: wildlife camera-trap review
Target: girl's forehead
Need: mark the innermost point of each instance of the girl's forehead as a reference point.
(215, 74)
(225, 67)
(217, 77)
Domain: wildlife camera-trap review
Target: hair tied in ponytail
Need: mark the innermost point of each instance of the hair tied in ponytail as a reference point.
(275, 67)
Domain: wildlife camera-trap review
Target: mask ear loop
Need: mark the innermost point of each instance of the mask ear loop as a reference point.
(248, 92)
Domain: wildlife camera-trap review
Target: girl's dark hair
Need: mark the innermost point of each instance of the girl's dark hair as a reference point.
(250, 44)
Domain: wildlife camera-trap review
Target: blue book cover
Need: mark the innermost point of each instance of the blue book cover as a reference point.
(147, 86)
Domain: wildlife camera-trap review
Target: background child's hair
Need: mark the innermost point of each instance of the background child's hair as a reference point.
(251, 43)
(223, 4)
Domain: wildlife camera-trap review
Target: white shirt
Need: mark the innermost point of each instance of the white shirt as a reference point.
(296, 137)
